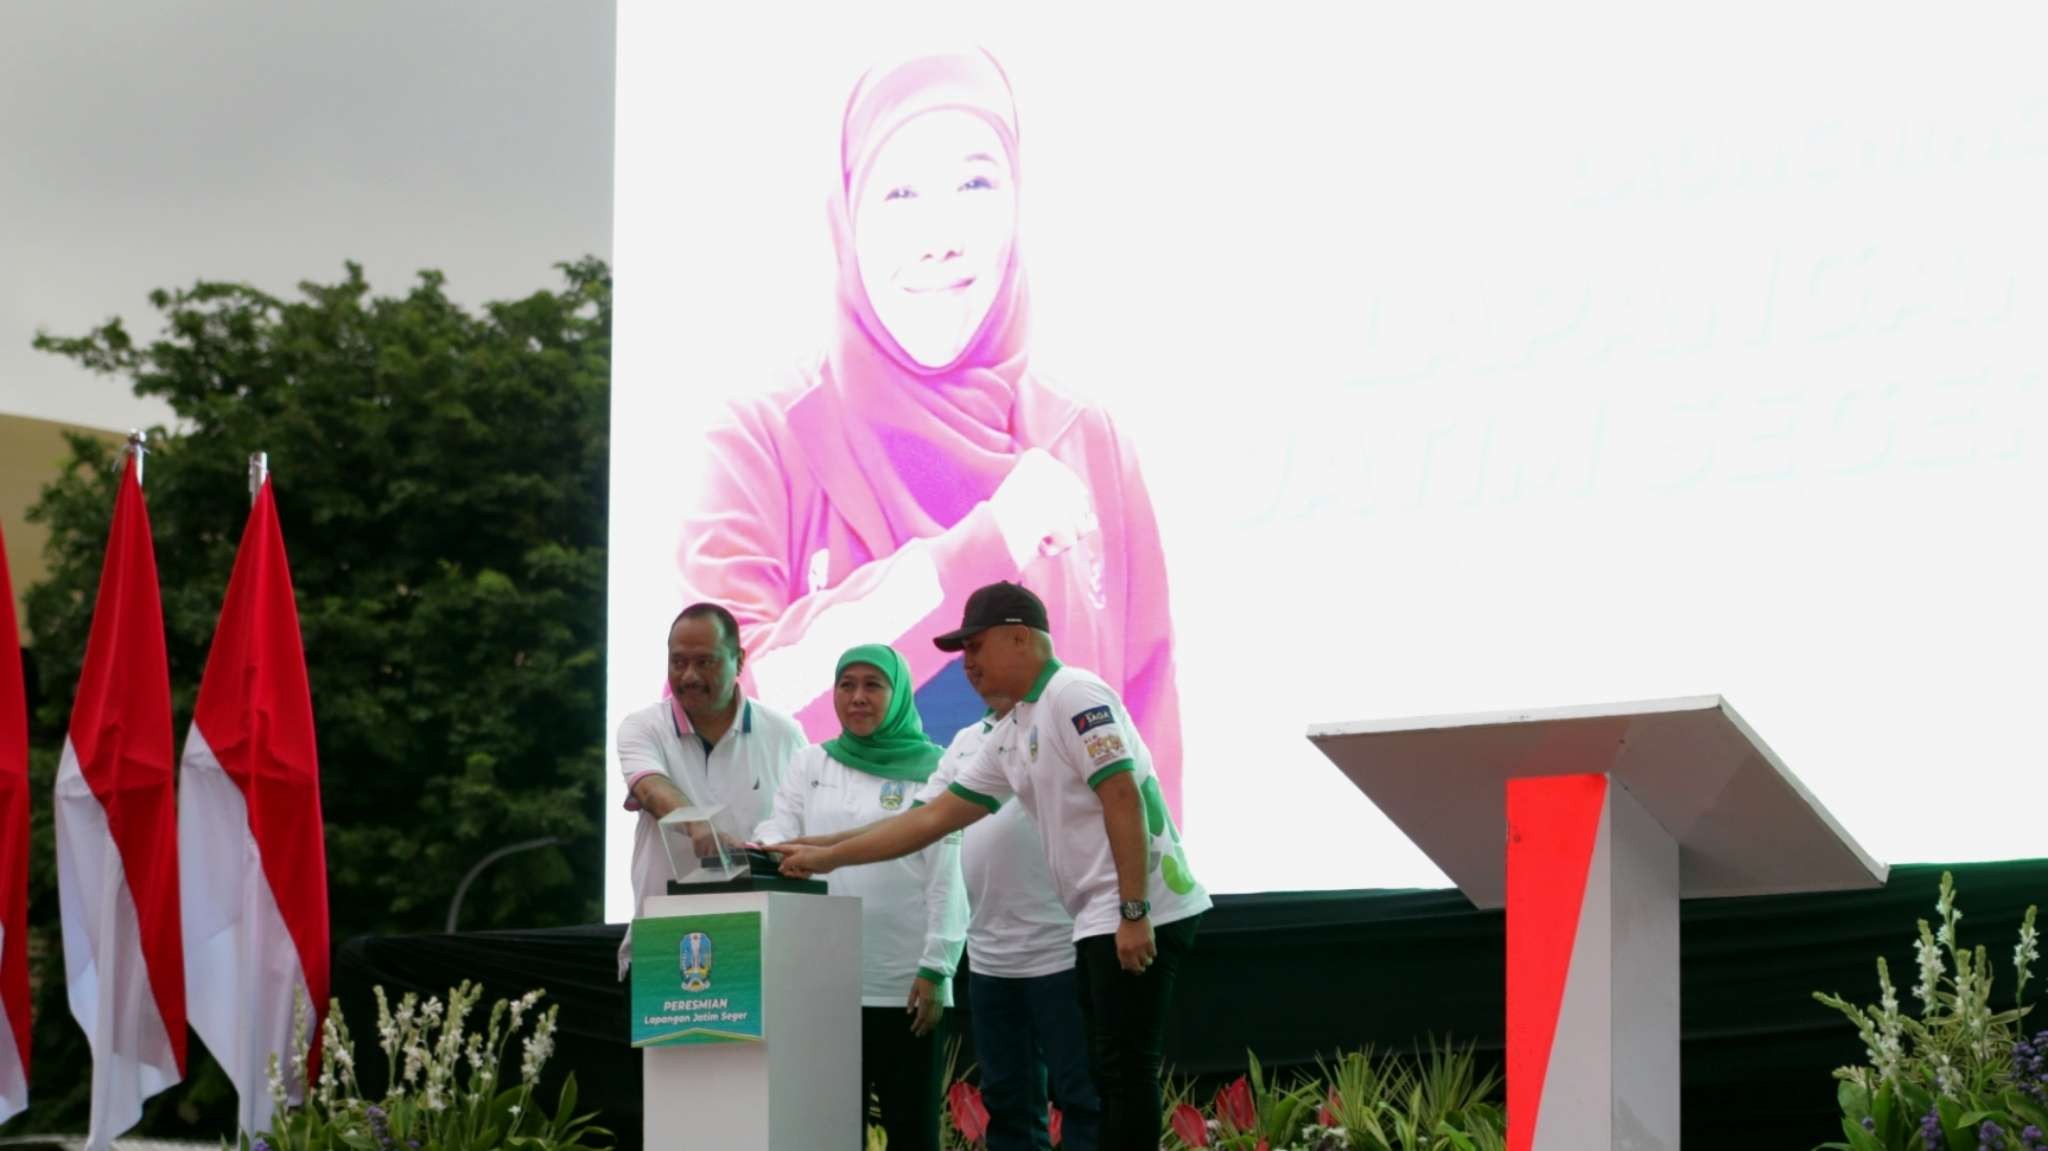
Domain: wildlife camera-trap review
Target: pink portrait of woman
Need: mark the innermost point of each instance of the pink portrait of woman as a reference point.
(920, 457)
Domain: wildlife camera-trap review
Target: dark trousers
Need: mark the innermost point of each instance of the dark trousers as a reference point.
(1029, 1034)
(902, 1073)
(1126, 1016)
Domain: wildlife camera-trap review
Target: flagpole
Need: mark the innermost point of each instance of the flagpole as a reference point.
(259, 471)
(137, 447)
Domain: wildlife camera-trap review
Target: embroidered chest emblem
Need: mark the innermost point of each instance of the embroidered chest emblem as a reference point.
(893, 792)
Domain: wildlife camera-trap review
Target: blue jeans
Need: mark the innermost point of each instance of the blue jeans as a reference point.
(1018, 1023)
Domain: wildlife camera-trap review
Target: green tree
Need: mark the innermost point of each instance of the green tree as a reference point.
(440, 476)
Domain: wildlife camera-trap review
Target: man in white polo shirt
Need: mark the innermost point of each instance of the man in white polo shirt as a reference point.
(1069, 754)
(1024, 999)
(705, 745)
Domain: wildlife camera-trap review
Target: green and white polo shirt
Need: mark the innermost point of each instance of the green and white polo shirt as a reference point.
(1061, 741)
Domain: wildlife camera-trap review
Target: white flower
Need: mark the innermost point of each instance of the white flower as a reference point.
(1929, 958)
(415, 1061)
(2026, 953)
(524, 1004)
(538, 1047)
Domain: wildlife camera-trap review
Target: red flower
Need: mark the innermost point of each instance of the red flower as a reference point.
(1263, 1146)
(1234, 1107)
(1326, 1115)
(1053, 1119)
(970, 1117)
(1189, 1126)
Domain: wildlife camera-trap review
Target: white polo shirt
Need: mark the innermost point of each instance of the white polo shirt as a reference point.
(1017, 928)
(1068, 735)
(741, 771)
(913, 910)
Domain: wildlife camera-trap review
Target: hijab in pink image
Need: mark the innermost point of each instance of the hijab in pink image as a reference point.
(920, 457)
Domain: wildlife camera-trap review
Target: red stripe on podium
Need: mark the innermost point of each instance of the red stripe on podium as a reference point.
(1553, 822)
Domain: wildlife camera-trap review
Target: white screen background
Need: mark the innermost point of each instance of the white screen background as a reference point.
(1472, 363)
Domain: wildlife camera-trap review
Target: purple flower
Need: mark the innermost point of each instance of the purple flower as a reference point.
(380, 1126)
(1990, 1137)
(2031, 1139)
(259, 1143)
(2030, 1067)
(1930, 1130)
(1869, 1124)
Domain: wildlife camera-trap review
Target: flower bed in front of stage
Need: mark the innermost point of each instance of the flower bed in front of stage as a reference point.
(1954, 1075)
(1362, 1102)
(444, 1091)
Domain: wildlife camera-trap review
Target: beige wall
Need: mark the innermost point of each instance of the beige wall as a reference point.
(32, 453)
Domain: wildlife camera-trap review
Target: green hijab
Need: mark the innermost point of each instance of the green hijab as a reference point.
(899, 748)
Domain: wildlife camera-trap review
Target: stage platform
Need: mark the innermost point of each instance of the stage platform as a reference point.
(1292, 976)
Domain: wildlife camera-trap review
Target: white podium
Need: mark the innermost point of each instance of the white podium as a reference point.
(797, 1086)
(1589, 824)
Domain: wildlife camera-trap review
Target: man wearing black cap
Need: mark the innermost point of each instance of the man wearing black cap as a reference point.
(1069, 753)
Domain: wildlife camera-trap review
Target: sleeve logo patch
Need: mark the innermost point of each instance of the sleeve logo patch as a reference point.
(1105, 749)
(1093, 718)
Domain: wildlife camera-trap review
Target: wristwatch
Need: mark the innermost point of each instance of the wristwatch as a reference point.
(1135, 910)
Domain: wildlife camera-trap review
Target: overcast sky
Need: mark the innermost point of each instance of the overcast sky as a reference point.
(149, 145)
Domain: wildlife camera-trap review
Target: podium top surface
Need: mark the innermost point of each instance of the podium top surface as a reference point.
(1744, 824)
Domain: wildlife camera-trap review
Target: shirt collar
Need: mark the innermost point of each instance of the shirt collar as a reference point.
(1045, 674)
(682, 719)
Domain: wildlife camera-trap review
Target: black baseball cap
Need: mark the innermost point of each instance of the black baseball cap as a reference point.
(993, 606)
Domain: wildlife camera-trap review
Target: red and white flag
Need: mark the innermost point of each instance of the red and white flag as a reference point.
(249, 829)
(14, 1030)
(117, 837)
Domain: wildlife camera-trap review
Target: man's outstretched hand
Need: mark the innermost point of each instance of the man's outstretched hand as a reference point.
(802, 860)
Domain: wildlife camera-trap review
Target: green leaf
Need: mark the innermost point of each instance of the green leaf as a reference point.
(1961, 1137)
(1859, 1139)
(1458, 1138)
(1854, 1100)
(2026, 1109)
(1919, 1101)
(566, 1105)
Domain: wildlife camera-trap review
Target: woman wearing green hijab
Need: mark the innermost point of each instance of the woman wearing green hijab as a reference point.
(913, 909)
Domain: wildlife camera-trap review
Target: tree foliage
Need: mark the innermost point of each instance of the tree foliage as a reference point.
(440, 475)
